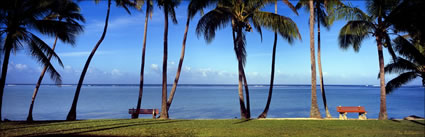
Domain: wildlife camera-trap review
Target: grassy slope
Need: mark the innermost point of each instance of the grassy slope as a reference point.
(148, 127)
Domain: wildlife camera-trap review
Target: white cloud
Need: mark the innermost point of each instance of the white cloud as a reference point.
(155, 67)
(21, 66)
(116, 72)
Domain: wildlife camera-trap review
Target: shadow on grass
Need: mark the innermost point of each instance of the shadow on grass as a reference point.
(48, 123)
(413, 121)
(242, 121)
(77, 131)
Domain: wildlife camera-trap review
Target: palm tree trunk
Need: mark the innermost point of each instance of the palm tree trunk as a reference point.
(383, 105)
(164, 112)
(269, 98)
(72, 115)
(37, 86)
(314, 110)
(179, 69)
(240, 70)
(243, 73)
(7, 47)
(319, 63)
(248, 106)
(142, 69)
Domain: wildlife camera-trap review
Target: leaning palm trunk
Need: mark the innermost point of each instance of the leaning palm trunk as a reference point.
(383, 104)
(142, 69)
(319, 63)
(314, 110)
(72, 115)
(164, 112)
(7, 47)
(269, 98)
(179, 69)
(37, 86)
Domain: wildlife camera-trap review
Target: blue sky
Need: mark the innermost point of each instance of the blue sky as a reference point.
(118, 58)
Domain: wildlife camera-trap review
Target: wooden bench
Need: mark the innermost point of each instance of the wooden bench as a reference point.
(154, 112)
(344, 110)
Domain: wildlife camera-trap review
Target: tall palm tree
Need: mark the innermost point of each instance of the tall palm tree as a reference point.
(168, 7)
(372, 24)
(21, 16)
(241, 14)
(411, 66)
(149, 7)
(314, 110)
(72, 115)
(194, 7)
(269, 98)
(322, 8)
(62, 10)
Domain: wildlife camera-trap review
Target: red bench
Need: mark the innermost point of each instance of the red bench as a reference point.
(344, 110)
(154, 112)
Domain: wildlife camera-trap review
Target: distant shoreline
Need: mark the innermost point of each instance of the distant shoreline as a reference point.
(230, 85)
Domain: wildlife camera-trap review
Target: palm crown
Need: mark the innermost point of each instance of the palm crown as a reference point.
(241, 14)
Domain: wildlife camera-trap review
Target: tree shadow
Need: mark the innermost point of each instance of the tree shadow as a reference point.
(242, 121)
(77, 131)
(49, 123)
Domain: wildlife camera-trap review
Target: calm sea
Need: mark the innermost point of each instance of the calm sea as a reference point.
(204, 101)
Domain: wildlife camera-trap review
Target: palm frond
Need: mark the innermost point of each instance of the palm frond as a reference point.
(289, 4)
(196, 6)
(38, 53)
(281, 24)
(210, 22)
(257, 27)
(348, 12)
(64, 30)
(43, 47)
(399, 80)
(380, 8)
(388, 45)
(353, 33)
(125, 4)
(406, 49)
(399, 65)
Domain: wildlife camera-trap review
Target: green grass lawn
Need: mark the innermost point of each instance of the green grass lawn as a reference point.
(150, 127)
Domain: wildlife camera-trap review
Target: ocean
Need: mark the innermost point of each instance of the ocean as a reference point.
(109, 101)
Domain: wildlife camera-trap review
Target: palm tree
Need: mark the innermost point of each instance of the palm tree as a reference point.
(72, 115)
(410, 66)
(372, 24)
(63, 10)
(194, 7)
(241, 14)
(269, 98)
(168, 7)
(149, 7)
(314, 110)
(21, 16)
(322, 9)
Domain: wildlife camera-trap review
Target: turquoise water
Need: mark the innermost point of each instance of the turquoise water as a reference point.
(203, 101)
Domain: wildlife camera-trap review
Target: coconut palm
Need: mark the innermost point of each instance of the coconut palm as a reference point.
(168, 7)
(240, 14)
(322, 8)
(372, 24)
(269, 98)
(194, 7)
(72, 114)
(19, 18)
(149, 7)
(411, 66)
(61, 10)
